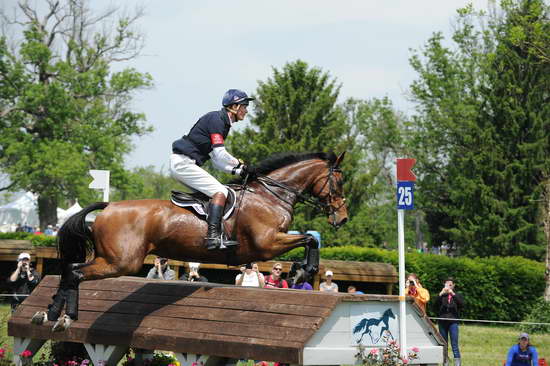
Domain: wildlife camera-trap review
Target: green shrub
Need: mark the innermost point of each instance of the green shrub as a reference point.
(495, 288)
(16, 236)
(40, 240)
(540, 313)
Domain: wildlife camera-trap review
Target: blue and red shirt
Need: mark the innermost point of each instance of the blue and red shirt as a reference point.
(209, 132)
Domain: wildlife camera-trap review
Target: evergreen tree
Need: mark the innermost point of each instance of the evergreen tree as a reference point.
(482, 131)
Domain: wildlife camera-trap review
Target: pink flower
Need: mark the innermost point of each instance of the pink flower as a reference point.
(171, 364)
(405, 361)
(26, 353)
(374, 351)
(415, 349)
(2, 352)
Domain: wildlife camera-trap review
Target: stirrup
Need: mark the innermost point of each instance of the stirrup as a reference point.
(227, 243)
(212, 243)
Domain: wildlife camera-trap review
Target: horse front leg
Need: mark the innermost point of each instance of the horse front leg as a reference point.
(284, 242)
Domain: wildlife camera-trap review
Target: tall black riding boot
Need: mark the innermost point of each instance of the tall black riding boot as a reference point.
(214, 235)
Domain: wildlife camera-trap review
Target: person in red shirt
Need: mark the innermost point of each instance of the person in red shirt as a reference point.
(274, 280)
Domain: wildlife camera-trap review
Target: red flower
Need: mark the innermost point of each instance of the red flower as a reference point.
(26, 353)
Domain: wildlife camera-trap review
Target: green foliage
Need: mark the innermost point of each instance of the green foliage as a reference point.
(495, 288)
(63, 110)
(540, 313)
(296, 110)
(145, 182)
(481, 133)
(36, 240)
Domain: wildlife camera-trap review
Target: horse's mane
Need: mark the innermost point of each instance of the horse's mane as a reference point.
(280, 160)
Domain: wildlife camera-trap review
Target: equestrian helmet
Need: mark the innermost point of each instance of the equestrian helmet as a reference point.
(235, 96)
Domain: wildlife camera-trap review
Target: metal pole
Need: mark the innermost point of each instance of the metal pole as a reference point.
(402, 308)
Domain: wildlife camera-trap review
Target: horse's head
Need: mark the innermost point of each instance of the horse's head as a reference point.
(329, 188)
(389, 313)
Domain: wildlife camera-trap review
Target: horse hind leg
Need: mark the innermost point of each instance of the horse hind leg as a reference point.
(67, 294)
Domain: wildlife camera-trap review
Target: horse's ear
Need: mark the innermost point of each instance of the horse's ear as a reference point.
(339, 159)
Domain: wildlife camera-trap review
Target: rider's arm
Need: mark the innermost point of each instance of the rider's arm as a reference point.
(224, 161)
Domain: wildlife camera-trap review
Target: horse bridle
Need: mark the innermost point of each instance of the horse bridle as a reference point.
(321, 202)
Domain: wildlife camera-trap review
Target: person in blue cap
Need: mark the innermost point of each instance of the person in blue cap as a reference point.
(206, 141)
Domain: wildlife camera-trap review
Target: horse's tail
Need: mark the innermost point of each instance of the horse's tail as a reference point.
(359, 327)
(74, 239)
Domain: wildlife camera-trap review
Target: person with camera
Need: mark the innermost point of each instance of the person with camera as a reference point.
(193, 275)
(23, 280)
(250, 276)
(414, 288)
(450, 303)
(161, 270)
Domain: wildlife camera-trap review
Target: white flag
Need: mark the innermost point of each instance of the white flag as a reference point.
(101, 179)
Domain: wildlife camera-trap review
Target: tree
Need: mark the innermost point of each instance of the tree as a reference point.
(296, 110)
(64, 111)
(482, 133)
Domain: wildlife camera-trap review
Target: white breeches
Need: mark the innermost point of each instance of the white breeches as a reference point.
(184, 170)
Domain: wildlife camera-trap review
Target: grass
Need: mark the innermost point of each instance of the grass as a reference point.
(489, 345)
(480, 345)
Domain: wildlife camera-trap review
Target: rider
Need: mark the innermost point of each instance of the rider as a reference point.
(205, 141)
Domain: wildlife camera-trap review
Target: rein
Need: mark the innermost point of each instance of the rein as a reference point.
(317, 202)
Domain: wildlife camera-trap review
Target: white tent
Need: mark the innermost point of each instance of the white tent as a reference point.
(62, 217)
(23, 210)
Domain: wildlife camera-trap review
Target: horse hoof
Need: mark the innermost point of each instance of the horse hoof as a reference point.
(62, 324)
(39, 318)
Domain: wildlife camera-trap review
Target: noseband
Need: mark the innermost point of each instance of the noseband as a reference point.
(321, 202)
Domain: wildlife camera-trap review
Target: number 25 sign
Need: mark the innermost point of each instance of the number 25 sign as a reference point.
(405, 184)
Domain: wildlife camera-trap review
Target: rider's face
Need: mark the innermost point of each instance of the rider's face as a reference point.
(242, 110)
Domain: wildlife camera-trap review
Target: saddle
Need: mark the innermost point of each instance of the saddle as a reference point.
(197, 202)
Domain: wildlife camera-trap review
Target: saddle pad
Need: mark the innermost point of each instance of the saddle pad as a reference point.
(198, 202)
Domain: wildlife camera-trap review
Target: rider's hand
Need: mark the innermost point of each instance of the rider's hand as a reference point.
(249, 170)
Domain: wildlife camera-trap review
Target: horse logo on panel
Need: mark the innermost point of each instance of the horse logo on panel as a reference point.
(375, 327)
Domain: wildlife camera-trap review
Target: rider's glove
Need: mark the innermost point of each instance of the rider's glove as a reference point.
(249, 170)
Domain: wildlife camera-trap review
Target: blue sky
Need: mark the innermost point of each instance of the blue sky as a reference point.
(196, 50)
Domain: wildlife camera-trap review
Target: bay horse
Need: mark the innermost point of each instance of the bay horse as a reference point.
(125, 232)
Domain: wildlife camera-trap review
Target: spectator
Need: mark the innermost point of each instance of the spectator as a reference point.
(328, 285)
(302, 284)
(161, 270)
(353, 290)
(414, 288)
(522, 353)
(274, 280)
(450, 304)
(193, 275)
(19, 228)
(250, 276)
(23, 280)
(49, 230)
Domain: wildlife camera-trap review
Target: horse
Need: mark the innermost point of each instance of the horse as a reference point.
(366, 323)
(125, 232)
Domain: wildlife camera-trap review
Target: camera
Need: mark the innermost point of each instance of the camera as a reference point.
(411, 283)
(163, 261)
(248, 266)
